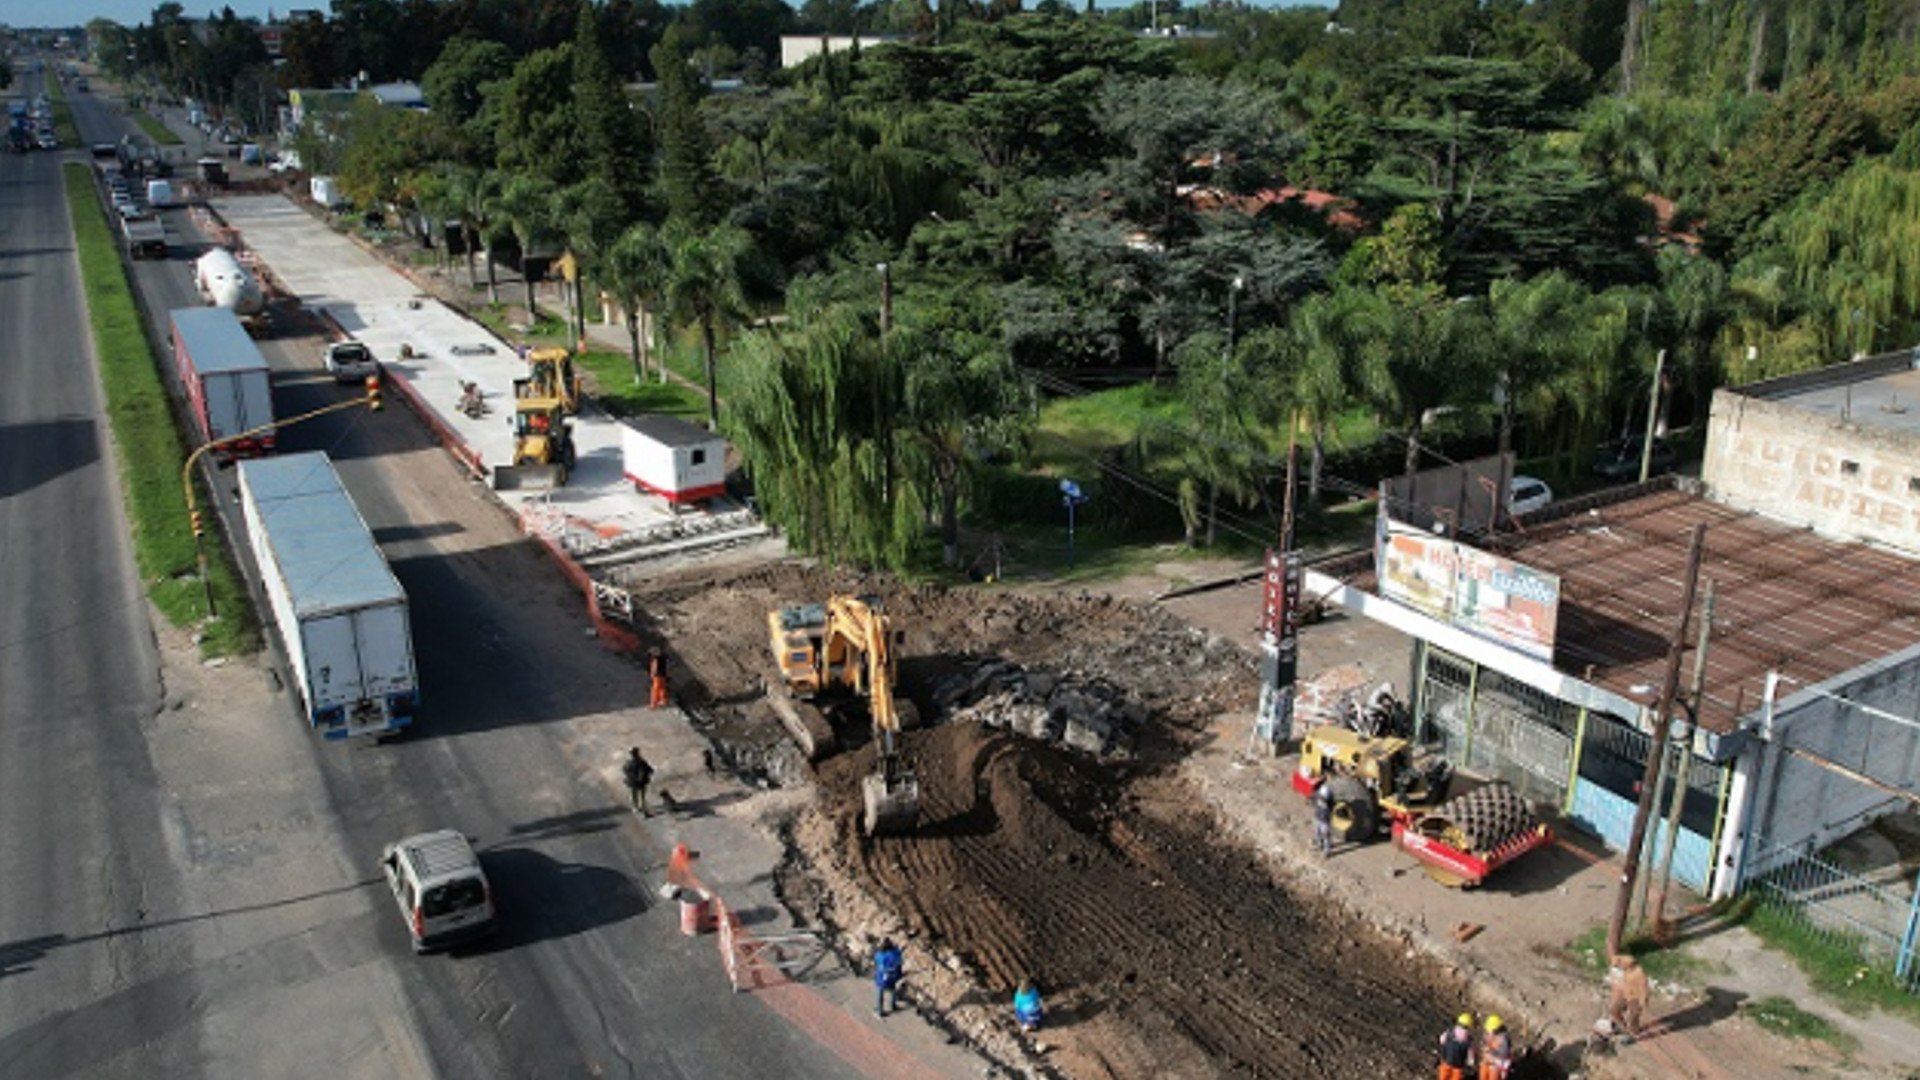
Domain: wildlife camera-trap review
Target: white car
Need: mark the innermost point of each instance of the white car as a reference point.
(1527, 495)
(350, 361)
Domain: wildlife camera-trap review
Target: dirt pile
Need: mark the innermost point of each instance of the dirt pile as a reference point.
(1162, 948)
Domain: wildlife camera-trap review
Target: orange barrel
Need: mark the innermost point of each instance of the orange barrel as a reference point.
(696, 911)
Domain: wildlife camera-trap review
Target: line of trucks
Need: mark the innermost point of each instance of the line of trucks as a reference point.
(340, 613)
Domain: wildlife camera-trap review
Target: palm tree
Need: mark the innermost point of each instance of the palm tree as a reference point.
(474, 192)
(634, 269)
(1326, 337)
(527, 205)
(707, 275)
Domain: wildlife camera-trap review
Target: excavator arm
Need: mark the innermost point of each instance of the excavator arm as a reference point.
(858, 639)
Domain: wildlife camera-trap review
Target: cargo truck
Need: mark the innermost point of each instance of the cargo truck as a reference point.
(225, 378)
(339, 611)
(146, 237)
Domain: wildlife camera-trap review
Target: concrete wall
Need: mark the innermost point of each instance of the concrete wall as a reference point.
(1838, 478)
(1803, 805)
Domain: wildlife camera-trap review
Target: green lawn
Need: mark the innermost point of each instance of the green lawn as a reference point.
(62, 115)
(160, 133)
(614, 387)
(150, 450)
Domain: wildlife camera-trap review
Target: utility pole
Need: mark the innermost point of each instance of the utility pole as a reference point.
(1669, 687)
(1665, 873)
(1653, 415)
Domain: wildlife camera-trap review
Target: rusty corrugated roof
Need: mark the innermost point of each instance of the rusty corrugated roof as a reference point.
(1786, 599)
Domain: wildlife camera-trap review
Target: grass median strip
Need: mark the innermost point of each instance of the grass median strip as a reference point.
(159, 132)
(151, 451)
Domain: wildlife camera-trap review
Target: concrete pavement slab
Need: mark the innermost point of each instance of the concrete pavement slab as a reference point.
(382, 308)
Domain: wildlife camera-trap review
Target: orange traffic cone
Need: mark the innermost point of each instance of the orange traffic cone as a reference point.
(680, 868)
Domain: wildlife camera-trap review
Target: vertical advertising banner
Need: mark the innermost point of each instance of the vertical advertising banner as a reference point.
(1280, 641)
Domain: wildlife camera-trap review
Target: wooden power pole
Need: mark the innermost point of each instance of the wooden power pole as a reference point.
(1662, 717)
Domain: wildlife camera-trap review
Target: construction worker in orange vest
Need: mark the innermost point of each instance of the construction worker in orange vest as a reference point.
(657, 671)
(1496, 1051)
(1456, 1049)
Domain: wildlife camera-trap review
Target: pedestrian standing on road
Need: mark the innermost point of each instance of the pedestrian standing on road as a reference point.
(1627, 1000)
(637, 773)
(1496, 1051)
(1456, 1049)
(887, 966)
(1323, 817)
(1026, 1006)
(657, 672)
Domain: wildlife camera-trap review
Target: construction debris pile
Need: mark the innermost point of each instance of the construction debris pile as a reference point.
(1086, 714)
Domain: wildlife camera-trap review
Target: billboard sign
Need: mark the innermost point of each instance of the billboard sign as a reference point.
(1475, 590)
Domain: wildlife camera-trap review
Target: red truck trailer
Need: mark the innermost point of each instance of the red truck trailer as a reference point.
(225, 378)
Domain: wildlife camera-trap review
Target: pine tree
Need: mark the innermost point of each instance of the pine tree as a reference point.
(686, 167)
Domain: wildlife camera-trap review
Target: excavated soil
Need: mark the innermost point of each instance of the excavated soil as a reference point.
(1163, 948)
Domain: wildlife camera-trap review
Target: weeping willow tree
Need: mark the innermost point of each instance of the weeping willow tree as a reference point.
(816, 414)
(1857, 251)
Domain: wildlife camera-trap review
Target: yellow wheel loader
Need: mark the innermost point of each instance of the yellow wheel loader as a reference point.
(543, 451)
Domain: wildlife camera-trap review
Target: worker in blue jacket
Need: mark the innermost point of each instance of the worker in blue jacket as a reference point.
(887, 966)
(1026, 1005)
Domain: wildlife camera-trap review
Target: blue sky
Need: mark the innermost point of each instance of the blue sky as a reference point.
(79, 12)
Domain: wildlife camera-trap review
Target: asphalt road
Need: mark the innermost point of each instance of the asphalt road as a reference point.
(82, 867)
(252, 844)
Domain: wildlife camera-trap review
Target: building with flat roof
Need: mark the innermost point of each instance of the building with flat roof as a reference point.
(1836, 450)
(1539, 652)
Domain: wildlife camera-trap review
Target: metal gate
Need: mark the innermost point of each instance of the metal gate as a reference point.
(1497, 727)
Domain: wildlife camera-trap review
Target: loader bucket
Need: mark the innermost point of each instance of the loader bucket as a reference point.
(891, 807)
(529, 477)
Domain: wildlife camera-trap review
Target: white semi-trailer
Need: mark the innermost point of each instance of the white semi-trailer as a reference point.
(339, 611)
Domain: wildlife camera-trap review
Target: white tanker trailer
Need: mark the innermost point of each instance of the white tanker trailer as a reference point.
(224, 283)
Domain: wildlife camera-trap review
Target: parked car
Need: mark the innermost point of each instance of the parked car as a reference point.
(1526, 495)
(1620, 459)
(442, 892)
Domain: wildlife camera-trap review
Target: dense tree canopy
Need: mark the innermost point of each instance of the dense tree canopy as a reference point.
(1432, 220)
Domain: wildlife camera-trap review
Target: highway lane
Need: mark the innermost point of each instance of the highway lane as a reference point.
(590, 976)
(82, 865)
(176, 898)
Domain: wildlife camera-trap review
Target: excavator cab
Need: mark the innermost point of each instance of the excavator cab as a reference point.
(839, 652)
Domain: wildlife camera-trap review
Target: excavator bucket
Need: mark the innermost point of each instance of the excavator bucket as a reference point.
(892, 805)
(529, 477)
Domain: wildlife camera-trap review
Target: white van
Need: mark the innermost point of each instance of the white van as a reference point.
(159, 193)
(442, 892)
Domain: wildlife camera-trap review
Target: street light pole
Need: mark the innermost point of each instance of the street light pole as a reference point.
(886, 298)
(371, 400)
(1233, 295)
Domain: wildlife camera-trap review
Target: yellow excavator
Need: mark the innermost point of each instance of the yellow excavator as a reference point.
(550, 376)
(842, 651)
(543, 451)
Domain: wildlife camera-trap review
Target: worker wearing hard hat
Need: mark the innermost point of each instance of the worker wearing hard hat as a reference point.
(1456, 1049)
(1496, 1051)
